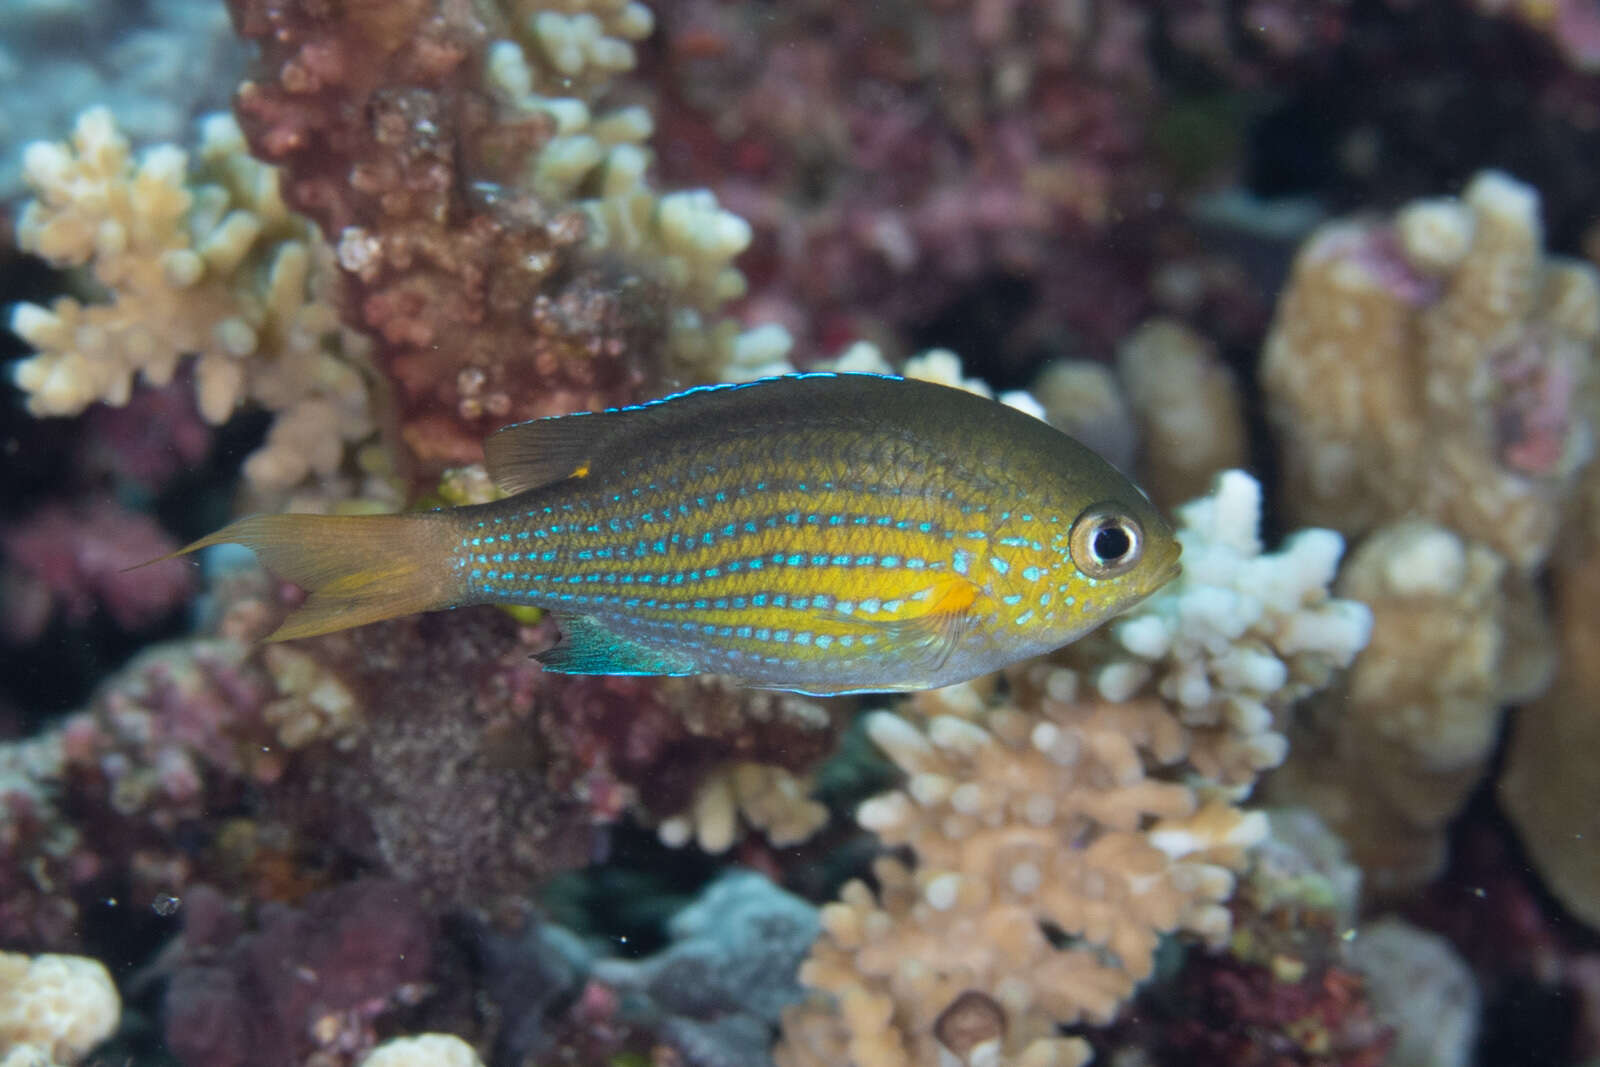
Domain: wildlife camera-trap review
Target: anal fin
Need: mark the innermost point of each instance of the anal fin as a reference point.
(588, 647)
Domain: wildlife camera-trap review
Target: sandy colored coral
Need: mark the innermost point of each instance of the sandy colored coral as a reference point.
(1059, 830)
(1083, 399)
(772, 800)
(1232, 644)
(1426, 366)
(61, 1006)
(1390, 756)
(201, 262)
(1550, 787)
(423, 1050)
(1187, 405)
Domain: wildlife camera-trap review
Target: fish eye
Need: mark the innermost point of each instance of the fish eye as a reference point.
(1106, 542)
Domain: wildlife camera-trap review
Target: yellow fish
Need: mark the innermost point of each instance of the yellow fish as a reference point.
(823, 533)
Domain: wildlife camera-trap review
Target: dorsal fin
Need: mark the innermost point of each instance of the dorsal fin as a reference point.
(527, 455)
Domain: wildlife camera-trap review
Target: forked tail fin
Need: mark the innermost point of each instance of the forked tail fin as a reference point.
(356, 568)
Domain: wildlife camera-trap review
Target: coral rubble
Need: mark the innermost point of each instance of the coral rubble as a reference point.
(157, 66)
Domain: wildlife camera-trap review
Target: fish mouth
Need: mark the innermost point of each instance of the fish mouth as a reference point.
(1170, 568)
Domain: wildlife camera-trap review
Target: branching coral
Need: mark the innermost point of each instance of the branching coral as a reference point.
(1058, 831)
(770, 799)
(1188, 408)
(204, 263)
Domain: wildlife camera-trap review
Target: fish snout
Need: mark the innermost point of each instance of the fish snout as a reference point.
(1170, 567)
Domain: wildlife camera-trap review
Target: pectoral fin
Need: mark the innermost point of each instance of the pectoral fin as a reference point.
(588, 647)
(932, 624)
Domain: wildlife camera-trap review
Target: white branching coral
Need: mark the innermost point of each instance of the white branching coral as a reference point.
(204, 263)
(559, 64)
(56, 1008)
(1061, 826)
(1237, 639)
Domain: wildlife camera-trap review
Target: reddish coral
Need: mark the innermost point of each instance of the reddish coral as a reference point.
(315, 980)
(472, 289)
(1240, 1015)
(76, 560)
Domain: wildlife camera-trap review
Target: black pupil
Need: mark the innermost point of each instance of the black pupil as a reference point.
(1111, 543)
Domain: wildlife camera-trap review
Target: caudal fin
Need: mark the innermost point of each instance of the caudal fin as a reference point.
(356, 568)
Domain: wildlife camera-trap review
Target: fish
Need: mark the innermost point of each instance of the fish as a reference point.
(823, 533)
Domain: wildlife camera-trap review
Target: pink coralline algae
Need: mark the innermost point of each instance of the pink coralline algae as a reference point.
(313, 981)
(892, 156)
(900, 160)
(152, 438)
(75, 560)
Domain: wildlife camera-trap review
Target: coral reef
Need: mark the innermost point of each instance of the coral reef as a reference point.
(1187, 407)
(1059, 831)
(1283, 990)
(1390, 755)
(1232, 1013)
(428, 218)
(769, 799)
(424, 1050)
(717, 991)
(893, 160)
(57, 1008)
(1548, 786)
